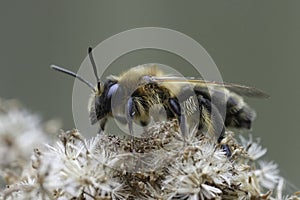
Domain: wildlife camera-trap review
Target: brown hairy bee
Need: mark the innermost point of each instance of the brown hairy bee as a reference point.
(129, 98)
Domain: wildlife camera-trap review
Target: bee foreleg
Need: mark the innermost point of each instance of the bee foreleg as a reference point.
(102, 124)
(129, 114)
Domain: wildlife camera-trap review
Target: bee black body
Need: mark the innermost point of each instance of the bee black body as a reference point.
(132, 99)
(132, 96)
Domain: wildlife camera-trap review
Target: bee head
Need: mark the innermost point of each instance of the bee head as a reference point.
(101, 93)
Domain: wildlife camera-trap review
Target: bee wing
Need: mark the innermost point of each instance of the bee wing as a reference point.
(236, 88)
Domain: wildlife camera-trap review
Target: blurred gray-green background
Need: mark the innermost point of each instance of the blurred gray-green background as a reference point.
(255, 43)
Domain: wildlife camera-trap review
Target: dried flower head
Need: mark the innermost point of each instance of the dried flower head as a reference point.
(160, 165)
(20, 132)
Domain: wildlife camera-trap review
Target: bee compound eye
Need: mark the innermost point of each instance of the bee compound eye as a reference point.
(112, 90)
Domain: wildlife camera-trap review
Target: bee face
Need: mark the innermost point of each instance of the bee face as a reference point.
(100, 101)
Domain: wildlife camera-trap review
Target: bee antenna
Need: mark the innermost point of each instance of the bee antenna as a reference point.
(63, 70)
(90, 49)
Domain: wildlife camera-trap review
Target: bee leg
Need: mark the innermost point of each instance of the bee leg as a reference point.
(225, 147)
(175, 108)
(130, 113)
(217, 121)
(219, 126)
(102, 124)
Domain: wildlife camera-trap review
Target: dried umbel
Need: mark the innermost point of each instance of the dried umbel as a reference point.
(159, 165)
(20, 132)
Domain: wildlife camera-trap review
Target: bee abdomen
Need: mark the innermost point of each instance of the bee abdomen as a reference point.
(238, 113)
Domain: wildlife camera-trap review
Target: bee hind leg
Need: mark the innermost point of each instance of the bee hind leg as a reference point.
(225, 147)
(176, 110)
(217, 121)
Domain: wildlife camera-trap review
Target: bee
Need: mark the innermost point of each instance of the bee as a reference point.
(129, 98)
